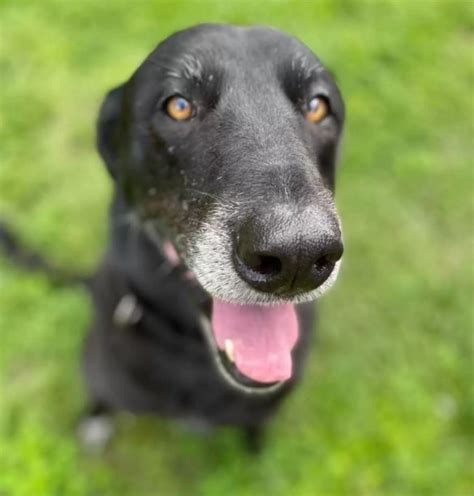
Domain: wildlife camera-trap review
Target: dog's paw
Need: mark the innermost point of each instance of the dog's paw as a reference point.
(95, 432)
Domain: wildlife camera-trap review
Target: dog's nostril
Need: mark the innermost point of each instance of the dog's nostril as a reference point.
(264, 265)
(327, 261)
(323, 264)
(258, 268)
(333, 254)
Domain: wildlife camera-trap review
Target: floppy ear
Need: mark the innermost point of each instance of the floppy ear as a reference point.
(109, 127)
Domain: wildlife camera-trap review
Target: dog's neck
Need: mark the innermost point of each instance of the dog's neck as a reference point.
(142, 258)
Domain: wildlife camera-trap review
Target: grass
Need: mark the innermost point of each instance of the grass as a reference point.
(387, 405)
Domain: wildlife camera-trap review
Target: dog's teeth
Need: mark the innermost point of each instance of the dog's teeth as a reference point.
(229, 350)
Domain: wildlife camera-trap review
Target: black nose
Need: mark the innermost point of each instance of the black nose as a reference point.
(287, 258)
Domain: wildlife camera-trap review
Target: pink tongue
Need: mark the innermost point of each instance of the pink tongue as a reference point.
(263, 337)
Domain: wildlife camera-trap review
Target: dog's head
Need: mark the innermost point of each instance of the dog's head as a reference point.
(225, 139)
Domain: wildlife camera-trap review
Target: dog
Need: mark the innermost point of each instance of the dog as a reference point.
(222, 147)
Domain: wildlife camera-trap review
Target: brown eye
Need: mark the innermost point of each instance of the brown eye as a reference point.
(317, 109)
(178, 108)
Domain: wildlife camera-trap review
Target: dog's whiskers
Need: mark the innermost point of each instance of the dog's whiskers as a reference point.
(220, 201)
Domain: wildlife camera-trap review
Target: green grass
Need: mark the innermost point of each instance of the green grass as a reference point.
(386, 407)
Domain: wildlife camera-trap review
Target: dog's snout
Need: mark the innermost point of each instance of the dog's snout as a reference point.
(274, 255)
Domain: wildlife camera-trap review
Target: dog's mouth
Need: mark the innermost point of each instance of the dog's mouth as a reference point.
(253, 344)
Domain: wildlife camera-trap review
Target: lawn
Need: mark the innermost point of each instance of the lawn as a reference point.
(387, 405)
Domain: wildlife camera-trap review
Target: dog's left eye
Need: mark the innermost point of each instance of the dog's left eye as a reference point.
(317, 109)
(178, 108)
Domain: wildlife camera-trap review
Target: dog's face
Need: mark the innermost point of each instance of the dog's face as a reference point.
(225, 139)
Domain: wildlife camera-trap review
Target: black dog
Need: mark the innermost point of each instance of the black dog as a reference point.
(222, 146)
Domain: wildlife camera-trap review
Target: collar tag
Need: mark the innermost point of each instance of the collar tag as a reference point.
(128, 311)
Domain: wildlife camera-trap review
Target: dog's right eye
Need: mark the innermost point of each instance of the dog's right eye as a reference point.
(178, 108)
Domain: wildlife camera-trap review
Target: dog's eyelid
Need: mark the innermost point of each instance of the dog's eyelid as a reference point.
(324, 96)
(174, 94)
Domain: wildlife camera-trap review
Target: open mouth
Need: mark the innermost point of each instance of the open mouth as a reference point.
(253, 344)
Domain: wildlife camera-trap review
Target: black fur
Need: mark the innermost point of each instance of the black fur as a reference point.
(249, 142)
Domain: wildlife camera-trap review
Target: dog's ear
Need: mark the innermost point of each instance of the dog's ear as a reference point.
(109, 128)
